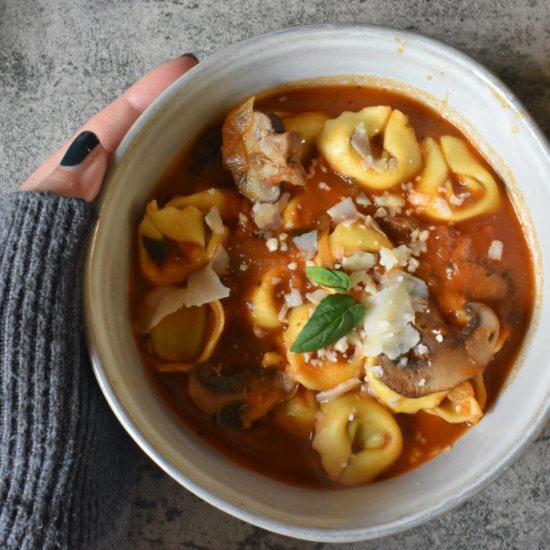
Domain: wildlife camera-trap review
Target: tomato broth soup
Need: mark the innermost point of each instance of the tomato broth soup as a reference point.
(331, 285)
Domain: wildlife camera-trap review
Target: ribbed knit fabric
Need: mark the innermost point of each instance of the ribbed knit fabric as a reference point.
(66, 465)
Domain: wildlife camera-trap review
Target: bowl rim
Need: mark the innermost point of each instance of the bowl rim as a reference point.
(109, 390)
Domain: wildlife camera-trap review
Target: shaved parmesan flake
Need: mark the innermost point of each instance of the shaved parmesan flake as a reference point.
(363, 278)
(359, 261)
(343, 210)
(337, 391)
(266, 215)
(161, 302)
(307, 244)
(495, 250)
(214, 220)
(204, 286)
(418, 199)
(388, 321)
(220, 261)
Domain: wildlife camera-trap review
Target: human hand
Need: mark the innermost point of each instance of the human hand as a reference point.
(77, 168)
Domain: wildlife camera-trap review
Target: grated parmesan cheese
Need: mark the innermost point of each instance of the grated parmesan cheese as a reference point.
(316, 296)
(272, 244)
(343, 210)
(294, 298)
(495, 250)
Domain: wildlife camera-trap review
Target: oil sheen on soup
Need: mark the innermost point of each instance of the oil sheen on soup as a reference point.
(331, 285)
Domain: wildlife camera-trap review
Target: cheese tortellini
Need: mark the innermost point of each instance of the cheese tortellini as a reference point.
(173, 240)
(346, 142)
(349, 238)
(308, 125)
(464, 403)
(479, 191)
(263, 308)
(323, 376)
(357, 439)
(188, 336)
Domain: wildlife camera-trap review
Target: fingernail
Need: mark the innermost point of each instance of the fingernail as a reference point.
(192, 56)
(80, 148)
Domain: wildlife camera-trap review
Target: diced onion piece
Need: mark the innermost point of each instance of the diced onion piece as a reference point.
(344, 210)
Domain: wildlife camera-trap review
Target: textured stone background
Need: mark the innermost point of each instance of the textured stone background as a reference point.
(60, 61)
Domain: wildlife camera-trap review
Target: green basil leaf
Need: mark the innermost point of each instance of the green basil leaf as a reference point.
(328, 278)
(334, 317)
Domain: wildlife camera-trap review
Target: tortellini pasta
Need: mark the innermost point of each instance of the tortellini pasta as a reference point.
(349, 238)
(357, 439)
(346, 144)
(263, 307)
(464, 403)
(188, 336)
(309, 125)
(324, 375)
(479, 194)
(297, 415)
(174, 241)
(398, 403)
(461, 404)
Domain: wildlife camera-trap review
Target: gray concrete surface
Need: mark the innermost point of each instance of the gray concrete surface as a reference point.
(60, 61)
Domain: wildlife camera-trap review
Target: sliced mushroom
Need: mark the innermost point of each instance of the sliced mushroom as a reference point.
(237, 397)
(259, 156)
(450, 357)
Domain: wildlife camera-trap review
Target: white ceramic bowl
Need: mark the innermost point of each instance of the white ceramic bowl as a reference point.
(464, 92)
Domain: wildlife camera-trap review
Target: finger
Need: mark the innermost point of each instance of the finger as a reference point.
(81, 170)
(111, 124)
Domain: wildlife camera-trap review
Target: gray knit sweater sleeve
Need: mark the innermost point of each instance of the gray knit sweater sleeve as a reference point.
(66, 465)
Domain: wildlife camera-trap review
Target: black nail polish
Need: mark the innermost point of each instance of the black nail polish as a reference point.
(79, 149)
(192, 56)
